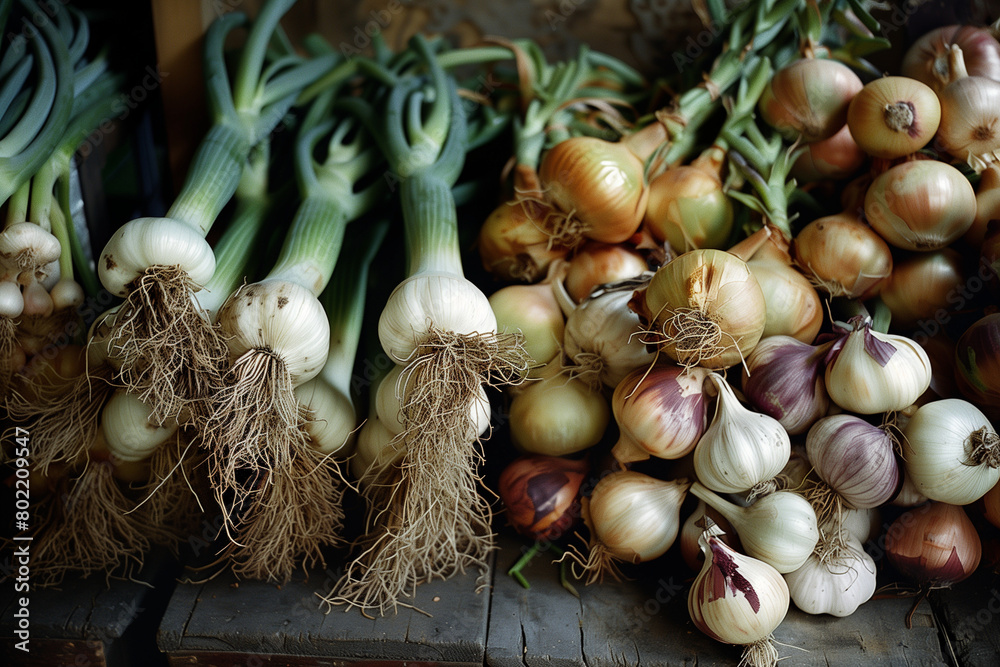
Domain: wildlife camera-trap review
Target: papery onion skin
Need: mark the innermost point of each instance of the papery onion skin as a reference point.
(688, 208)
(791, 302)
(843, 256)
(596, 263)
(783, 378)
(835, 158)
(921, 285)
(513, 243)
(558, 416)
(541, 494)
(927, 58)
(921, 205)
(894, 116)
(952, 451)
(600, 183)
(977, 362)
(705, 289)
(808, 99)
(935, 544)
(736, 599)
(856, 459)
(970, 119)
(660, 411)
(634, 516)
(533, 311)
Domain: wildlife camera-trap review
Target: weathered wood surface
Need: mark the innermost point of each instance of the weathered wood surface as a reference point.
(646, 622)
(269, 624)
(92, 621)
(970, 611)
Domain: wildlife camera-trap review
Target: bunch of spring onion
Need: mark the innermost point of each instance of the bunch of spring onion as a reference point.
(168, 350)
(263, 467)
(438, 327)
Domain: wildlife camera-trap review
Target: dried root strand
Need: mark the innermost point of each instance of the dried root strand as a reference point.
(985, 444)
(172, 496)
(254, 422)
(171, 355)
(8, 352)
(63, 419)
(295, 514)
(435, 523)
(826, 502)
(593, 566)
(91, 531)
(761, 653)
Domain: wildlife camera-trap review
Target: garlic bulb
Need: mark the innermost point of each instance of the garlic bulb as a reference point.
(741, 449)
(861, 525)
(871, 372)
(952, 451)
(691, 531)
(632, 517)
(779, 528)
(836, 586)
(783, 378)
(601, 340)
(737, 599)
(660, 411)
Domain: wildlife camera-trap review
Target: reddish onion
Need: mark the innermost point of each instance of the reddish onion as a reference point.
(660, 411)
(977, 362)
(542, 494)
(927, 58)
(834, 158)
(935, 544)
(783, 378)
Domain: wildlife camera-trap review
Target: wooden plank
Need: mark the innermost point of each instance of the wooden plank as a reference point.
(259, 619)
(99, 620)
(645, 621)
(970, 614)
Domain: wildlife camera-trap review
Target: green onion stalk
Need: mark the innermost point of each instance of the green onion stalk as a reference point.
(439, 329)
(278, 337)
(170, 354)
(32, 120)
(525, 233)
(298, 513)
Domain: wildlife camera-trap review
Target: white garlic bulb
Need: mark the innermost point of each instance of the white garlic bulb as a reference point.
(835, 586)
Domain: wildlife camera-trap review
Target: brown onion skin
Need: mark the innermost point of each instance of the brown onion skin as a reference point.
(843, 256)
(977, 363)
(808, 99)
(596, 263)
(926, 60)
(970, 118)
(837, 157)
(922, 284)
(542, 494)
(935, 544)
(871, 128)
(513, 244)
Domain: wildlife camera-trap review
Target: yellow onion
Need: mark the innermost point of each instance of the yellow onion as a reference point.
(922, 285)
(921, 205)
(935, 544)
(660, 411)
(927, 58)
(835, 158)
(703, 308)
(894, 116)
(598, 185)
(737, 599)
(514, 243)
(991, 505)
(987, 204)
(842, 256)
(534, 311)
(791, 302)
(808, 99)
(541, 494)
(970, 115)
(595, 263)
(688, 208)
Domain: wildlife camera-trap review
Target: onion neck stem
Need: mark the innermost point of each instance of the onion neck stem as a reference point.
(312, 246)
(212, 178)
(344, 303)
(730, 511)
(430, 225)
(18, 203)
